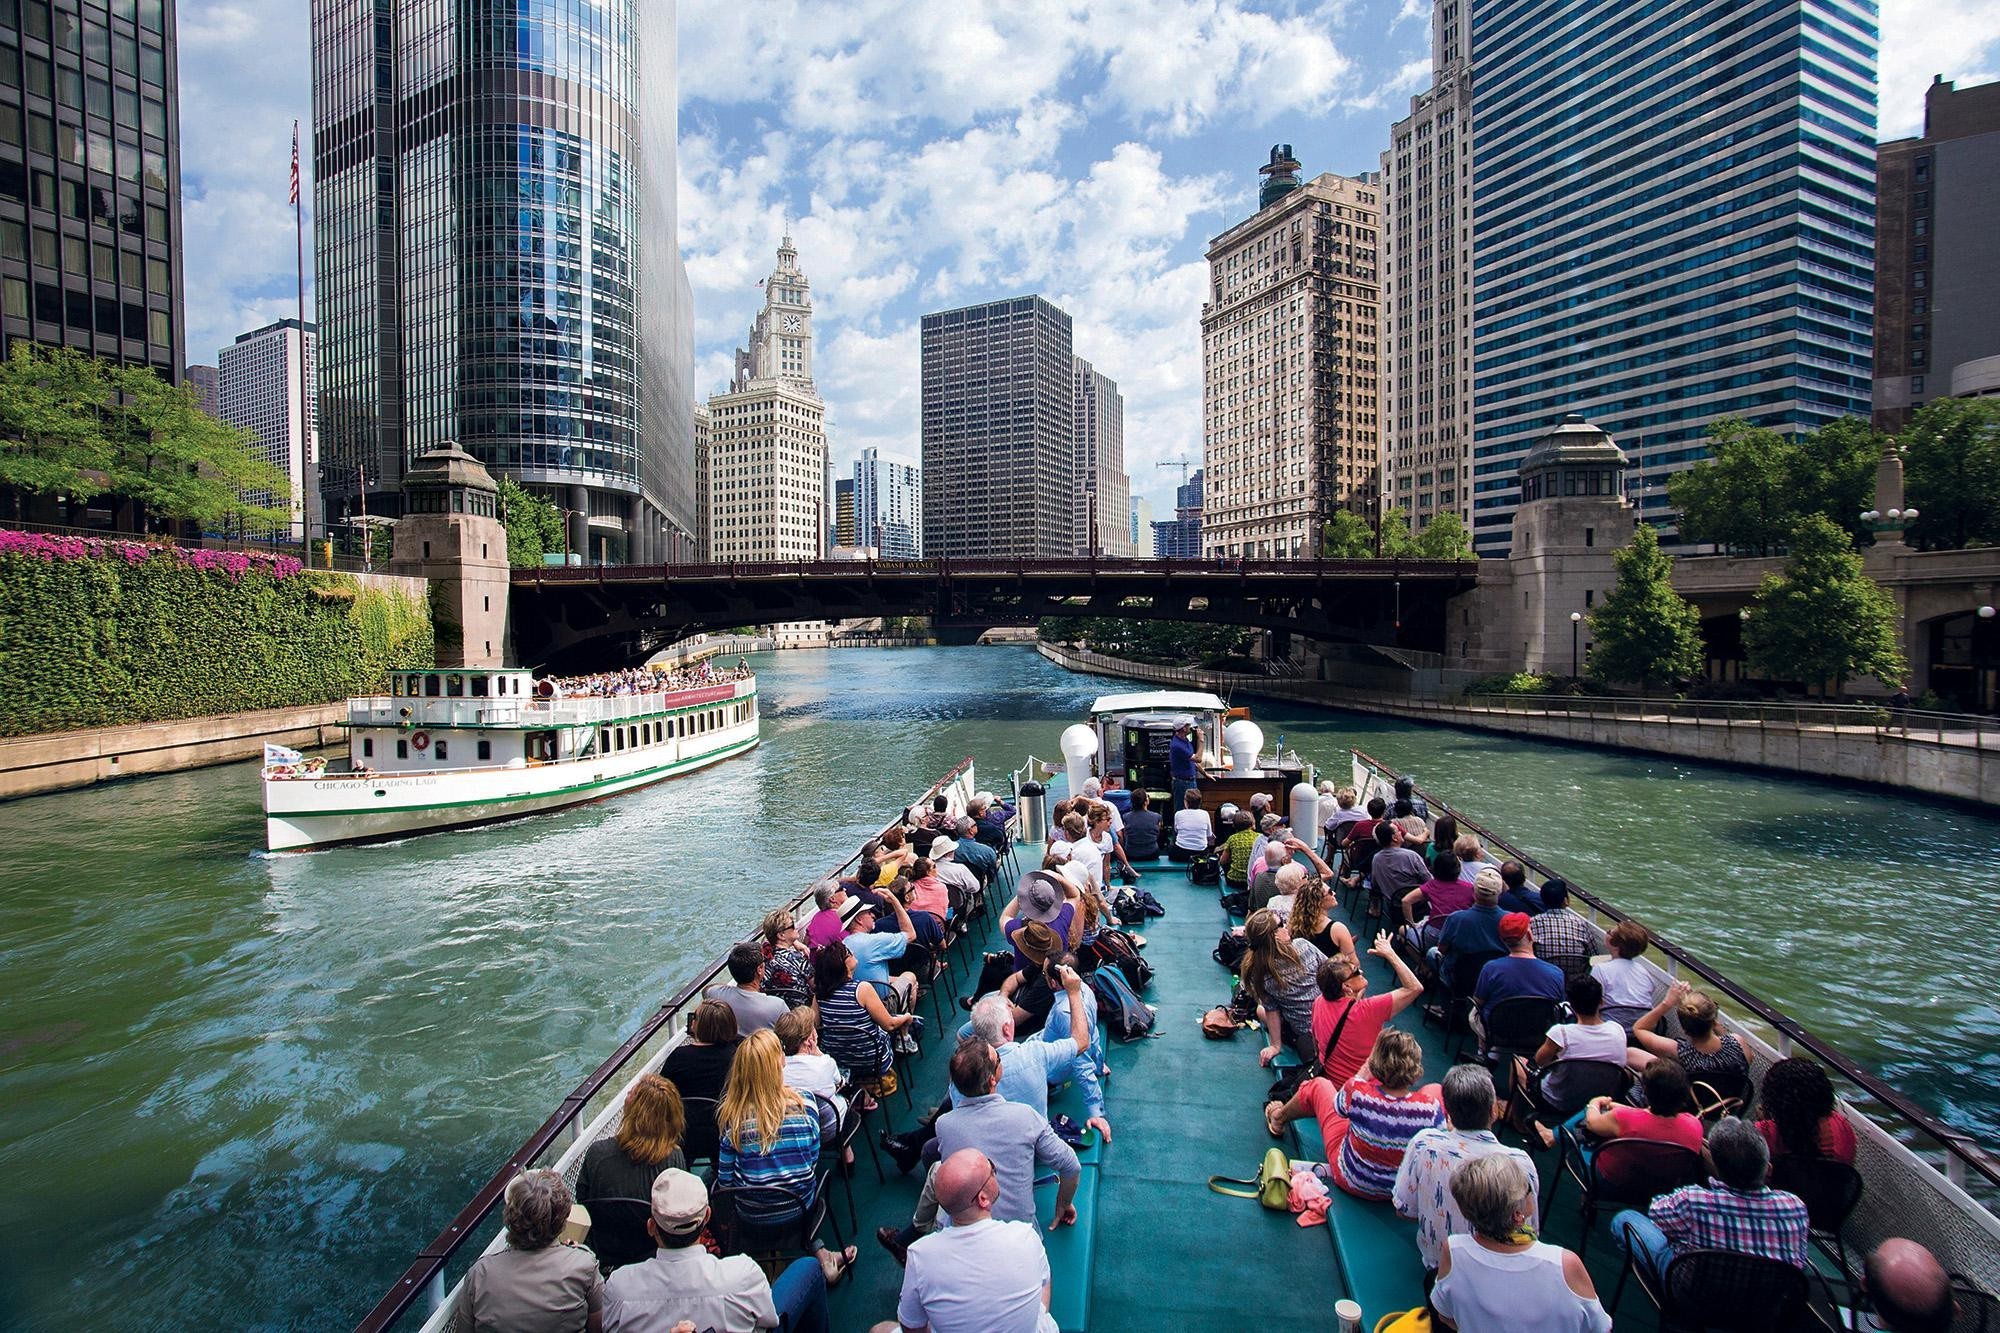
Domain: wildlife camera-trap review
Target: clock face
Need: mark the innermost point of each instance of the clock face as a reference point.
(792, 323)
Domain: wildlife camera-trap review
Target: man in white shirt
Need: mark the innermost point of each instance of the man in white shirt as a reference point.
(979, 1275)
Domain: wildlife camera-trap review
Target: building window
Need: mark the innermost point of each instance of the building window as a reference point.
(1916, 384)
(1923, 170)
(1918, 332)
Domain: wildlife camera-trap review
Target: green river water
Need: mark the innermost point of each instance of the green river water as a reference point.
(242, 1090)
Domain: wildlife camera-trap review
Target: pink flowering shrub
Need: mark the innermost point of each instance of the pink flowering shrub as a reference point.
(50, 548)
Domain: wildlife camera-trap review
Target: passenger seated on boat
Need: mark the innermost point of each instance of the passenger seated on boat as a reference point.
(872, 949)
(1515, 975)
(1734, 1211)
(1560, 1081)
(1268, 827)
(1472, 857)
(1428, 907)
(1797, 1115)
(959, 879)
(1709, 1054)
(684, 1285)
(1346, 814)
(1194, 831)
(1628, 986)
(940, 819)
(1280, 974)
(974, 855)
(991, 818)
(1367, 1122)
(1562, 935)
(754, 1009)
(854, 1022)
(929, 901)
(787, 968)
(1239, 838)
(1142, 827)
(980, 1274)
(895, 849)
(535, 1284)
(770, 1137)
(828, 923)
(624, 1165)
(809, 1069)
(1264, 874)
(1499, 1278)
(1515, 895)
(1028, 988)
(1395, 871)
(1301, 900)
(698, 1068)
(1423, 1182)
(1078, 844)
(1907, 1288)
(1044, 897)
(1668, 1115)
(1346, 1019)
(1406, 794)
(1029, 1065)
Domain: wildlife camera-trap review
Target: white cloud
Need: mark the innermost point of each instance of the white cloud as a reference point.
(1959, 39)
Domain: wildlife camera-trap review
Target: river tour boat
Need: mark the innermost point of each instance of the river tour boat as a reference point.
(1153, 1246)
(1131, 734)
(452, 748)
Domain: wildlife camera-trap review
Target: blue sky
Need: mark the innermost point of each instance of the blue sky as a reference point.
(933, 155)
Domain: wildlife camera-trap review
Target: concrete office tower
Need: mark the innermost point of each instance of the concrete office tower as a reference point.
(1937, 255)
(206, 381)
(1103, 497)
(1427, 287)
(1290, 366)
(260, 382)
(843, 512)
(1673, 222)
(90, 181)
(888, 504)
(999, 431)
(1179, 538)
(1139, 532)
(767, 435)
(496, 252)
(703, 527)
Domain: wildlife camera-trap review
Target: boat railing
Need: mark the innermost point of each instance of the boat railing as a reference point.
(1925, 1179)
(382, 710)
(587, 1109)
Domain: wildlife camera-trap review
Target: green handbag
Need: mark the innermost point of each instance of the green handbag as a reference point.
(1271, 1186)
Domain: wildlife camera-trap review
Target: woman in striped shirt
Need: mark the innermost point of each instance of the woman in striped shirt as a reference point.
(1368, 1124)
(770, 1137)
(854, 1023)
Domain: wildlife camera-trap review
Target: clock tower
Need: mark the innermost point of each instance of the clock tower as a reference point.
(781, 337)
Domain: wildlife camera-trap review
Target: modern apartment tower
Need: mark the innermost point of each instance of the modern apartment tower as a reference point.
(1427, 288)
(766, 461)
(888, 505)
(1937, 255)
(1290, 404)
(844, 533)
(1673, 223)
(266, 386)
(999, 431)
(496, 252)
(90, 177)
(1103, 499)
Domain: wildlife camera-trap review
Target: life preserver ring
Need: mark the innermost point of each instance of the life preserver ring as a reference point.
(421, 740)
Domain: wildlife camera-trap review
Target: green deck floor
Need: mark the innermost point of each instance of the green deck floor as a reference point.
(1168, 1252)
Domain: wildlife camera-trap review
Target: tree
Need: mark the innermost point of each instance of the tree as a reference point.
(534, 526)
(1645, 632)
(1823, 620)
(1395, 535)
(1740, 497)
(1347, 537)
(1444, 538)
(1833, 472)
(52, 405)
(1951, 471)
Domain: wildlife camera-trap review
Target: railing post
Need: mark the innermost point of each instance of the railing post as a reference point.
(434, 1292)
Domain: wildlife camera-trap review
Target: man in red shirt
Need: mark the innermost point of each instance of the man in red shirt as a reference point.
(1345, 1005)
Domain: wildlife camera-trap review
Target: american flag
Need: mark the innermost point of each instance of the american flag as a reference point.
(295, 162)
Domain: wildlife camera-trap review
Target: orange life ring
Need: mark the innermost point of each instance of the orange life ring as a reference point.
(421, 740)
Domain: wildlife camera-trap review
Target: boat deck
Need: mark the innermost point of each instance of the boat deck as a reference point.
(1154, 1247)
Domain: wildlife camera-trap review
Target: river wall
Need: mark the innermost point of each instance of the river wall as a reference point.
(1964, 767)
(32, 765)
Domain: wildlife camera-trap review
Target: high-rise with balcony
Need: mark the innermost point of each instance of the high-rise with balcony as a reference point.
(1104, 493)
(999, 431)
(1290, 405)
(495, 245)
(265, 385)
(90, 214)
(1673, 223)
(1427, 288)
(887, 505)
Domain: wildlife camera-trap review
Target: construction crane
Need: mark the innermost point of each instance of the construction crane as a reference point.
(1180, 463)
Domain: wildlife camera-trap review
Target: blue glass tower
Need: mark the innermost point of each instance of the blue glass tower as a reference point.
(1673, 222)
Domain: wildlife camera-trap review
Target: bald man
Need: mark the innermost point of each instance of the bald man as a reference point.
(1909, 1288)
(978, 1275)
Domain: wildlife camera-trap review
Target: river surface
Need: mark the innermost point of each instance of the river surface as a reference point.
(242, 1090)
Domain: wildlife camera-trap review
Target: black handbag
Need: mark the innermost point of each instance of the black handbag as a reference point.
(1286, 1086)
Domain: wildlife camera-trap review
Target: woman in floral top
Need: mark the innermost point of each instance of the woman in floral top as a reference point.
(787, 969)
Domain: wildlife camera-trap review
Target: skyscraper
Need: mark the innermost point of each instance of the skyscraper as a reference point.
(206, 381)
(889, 504)
(496, 252)
(844, 532)
(703, 524)
(1139, 534)
(1290, 409)
(1673, 222)
(767, 434)
(1427, 288)
(1937, 255)
(1104, 493)
(90, 176)
(1179, 538)
(260, 390)
(999, 431)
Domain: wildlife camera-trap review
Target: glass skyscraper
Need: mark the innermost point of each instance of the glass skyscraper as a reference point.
(497, 257)
(1673, 222)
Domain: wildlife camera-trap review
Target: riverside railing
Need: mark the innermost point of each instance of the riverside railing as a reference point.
(423, 1281)
(291, 546)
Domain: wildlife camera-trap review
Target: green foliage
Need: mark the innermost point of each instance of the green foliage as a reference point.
(1444, 538)
(1951, 473)
(101, 642)
(76, 425)
(1758, 483)
(1396, 539)
(1169, 642)
(1515, 682)
(534, 526)
(1645, 631)
(1823, 621)
(1347, 537)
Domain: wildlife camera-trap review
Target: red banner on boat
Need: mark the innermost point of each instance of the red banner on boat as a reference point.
(706, 694)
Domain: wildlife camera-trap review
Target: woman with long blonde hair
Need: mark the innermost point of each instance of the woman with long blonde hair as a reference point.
(770, 1137)
(648, 1141)
(1281, 973)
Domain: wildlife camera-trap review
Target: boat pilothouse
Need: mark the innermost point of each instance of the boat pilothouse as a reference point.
(453, 747)
(1129, 736)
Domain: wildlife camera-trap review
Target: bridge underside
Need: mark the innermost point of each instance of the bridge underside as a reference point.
(580, 620)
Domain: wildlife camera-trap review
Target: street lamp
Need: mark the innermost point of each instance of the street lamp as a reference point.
(1575, 626)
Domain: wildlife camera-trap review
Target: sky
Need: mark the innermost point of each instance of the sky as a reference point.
(927, 156)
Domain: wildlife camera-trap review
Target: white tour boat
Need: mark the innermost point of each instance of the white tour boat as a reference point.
(451, 748)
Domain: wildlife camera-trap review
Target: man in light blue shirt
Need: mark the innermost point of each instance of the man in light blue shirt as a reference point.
(872, 949)
(1027, 1068)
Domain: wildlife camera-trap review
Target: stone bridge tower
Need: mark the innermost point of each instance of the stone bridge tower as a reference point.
(451, 534)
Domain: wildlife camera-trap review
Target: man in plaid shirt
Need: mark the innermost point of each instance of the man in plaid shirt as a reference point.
(1736, 1211)
(1562, 936)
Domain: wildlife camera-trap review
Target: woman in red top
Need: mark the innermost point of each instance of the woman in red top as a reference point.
(1798, 1116)
(1666, 1116)
(1343, 994)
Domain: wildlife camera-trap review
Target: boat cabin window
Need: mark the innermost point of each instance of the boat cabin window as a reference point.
(367, 748)
(479, 686)
(414, 686)
(454, 687)
(486, 749)
(438, 751)
(431, 687)
(396, 687)
(402, 749)
(603, 739)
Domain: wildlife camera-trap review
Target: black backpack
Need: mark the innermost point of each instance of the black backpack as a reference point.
(1205, 870)
(1119, 1009)
(1128, 906)
(1229, 950)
